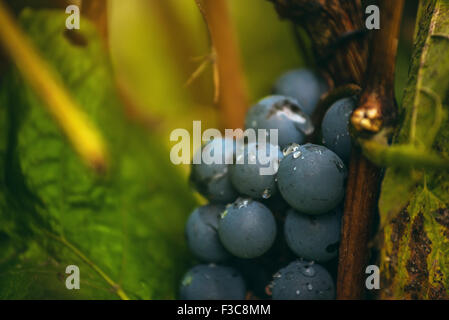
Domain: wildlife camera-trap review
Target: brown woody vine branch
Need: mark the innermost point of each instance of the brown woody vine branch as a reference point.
(336, 30)
(376, 110)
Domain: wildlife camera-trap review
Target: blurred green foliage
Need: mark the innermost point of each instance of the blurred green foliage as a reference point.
(56, 212)
(143, 55)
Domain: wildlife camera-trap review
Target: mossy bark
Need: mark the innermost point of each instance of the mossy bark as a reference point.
(414, 252)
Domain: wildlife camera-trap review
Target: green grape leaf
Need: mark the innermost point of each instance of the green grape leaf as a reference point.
(124, 230)
(413, 204)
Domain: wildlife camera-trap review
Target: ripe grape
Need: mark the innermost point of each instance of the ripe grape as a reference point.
(284, 114)
(247, 228)
(313, 237)
(311, 178)
(303, 280)
(247, 177)
(304, 85)
(334, 128)
(212, 282)
(212, 179)
(202, 235)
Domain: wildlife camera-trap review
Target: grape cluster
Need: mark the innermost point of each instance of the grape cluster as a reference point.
(274, 235)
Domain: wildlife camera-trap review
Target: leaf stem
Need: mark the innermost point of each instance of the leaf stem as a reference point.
(417, 98)
(433, 131)
(84, 137)
(118, 290)
(403, 156)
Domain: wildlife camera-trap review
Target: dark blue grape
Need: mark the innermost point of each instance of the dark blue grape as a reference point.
(304, 85)
(254, 171)
(212, 282)
(282, 113)
(311, 179)
(247, 228)
(313, 238)
(212, 179)
(202, 235)
(334, 128)
(302, 280)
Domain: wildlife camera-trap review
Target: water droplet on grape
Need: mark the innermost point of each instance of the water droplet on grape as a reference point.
(340, 166)
(298, 292)
(266, 194)
(309, 286)
(308, 271)
(187, 280)
(290, 149)
(297, 154)
(241, 203)
(289, 109)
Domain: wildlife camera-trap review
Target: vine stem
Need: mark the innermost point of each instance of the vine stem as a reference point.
(233, 96)
(376, 109)
(96, 11)
(327, 23)
(83, 135)
(118, 290)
